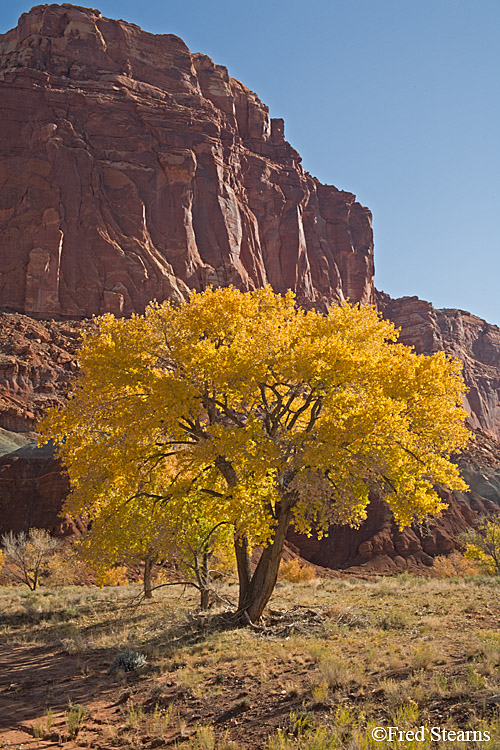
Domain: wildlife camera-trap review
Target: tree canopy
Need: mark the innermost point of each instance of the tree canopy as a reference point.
(246, 409)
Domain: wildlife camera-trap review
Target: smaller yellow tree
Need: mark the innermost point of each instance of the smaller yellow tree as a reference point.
(483, 544)
(115, 537)
(134, 531)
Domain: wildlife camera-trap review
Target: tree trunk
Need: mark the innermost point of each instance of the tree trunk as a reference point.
(205, 581)
(204, 598)
(256, 590)
(244, 571)
(148, 568)
(263, 581)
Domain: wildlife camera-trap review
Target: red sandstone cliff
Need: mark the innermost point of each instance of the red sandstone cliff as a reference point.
(131, 169)
(462, 335)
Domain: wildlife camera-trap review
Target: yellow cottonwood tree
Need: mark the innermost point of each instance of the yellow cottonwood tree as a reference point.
(246, 409)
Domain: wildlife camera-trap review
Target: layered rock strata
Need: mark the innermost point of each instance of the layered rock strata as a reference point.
(462, 335)
(37, 366)
(132, 169)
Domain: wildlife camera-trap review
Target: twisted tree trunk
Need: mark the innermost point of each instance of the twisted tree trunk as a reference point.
(258, 588)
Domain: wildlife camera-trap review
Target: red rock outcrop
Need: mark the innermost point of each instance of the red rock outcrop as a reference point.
(37, 364)
(131, 169)
(379, 545)
(462, 335)
(32, 489)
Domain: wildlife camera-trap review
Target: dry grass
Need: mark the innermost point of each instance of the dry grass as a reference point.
(336, 659)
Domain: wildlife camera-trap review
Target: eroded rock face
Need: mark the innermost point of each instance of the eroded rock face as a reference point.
(37, 366)
(131, 169)
(33, 490)
(464, 336)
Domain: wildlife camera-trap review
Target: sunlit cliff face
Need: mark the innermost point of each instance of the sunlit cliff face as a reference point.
(136, 170)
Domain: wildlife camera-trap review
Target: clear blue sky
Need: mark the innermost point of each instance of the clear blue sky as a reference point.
(394, 100)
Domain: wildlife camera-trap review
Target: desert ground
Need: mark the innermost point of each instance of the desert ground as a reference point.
(334, 659)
